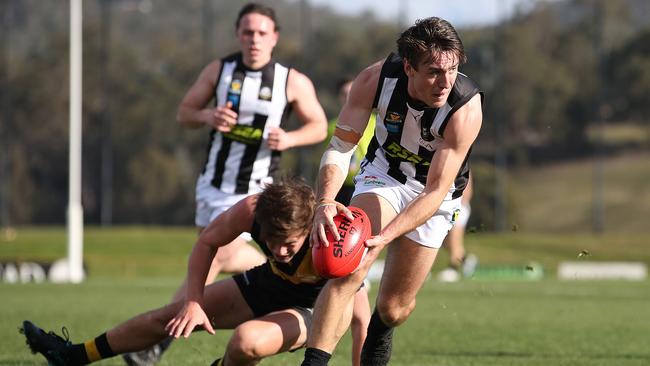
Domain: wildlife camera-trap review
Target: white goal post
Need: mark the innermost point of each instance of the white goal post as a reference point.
(75, 210)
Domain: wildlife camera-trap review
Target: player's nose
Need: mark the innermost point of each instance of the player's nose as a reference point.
(282, 251)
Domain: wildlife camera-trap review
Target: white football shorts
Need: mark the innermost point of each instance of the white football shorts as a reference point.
(433, 231)
(212, 202)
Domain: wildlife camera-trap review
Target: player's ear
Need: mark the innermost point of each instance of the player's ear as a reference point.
(408, 68)
(276, 37)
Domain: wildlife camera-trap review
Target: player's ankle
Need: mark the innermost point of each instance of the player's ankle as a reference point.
(316, 357)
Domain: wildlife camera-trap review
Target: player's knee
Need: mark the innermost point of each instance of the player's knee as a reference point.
(244, 345)
(393, 313)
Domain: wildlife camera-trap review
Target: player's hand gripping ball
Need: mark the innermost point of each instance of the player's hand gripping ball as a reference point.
(342, 257)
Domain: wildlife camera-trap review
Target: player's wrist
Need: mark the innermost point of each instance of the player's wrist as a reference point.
(323, 202)
(290, 141)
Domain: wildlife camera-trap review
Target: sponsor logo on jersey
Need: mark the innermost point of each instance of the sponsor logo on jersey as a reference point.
(235, 86)
(234, 93)
(398, 151)
(394, 117)
(265, 93)
(393, 122)
(245, 134)
(454, 216)
(426, 134)
(372, 180)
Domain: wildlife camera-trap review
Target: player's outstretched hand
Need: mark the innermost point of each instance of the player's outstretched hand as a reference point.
(187, 318)
(323, 221)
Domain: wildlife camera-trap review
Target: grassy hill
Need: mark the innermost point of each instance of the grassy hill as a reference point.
(559, 198)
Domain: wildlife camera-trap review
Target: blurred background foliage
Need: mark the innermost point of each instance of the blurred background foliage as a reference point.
(565, 144)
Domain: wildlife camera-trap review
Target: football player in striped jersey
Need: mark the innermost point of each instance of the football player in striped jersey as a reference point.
(410, 183)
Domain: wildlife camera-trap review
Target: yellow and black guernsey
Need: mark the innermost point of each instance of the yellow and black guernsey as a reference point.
(275, 286)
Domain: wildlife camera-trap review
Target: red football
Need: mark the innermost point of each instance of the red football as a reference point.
(342, 257)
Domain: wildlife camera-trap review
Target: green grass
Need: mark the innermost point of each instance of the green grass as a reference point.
(558, 198)
(547, 322)
(468, 323)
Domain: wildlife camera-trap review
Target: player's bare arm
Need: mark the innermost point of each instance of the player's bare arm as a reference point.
(353, 120)
(194, 112)
(302, 97)
(223, 230)
(462, 130)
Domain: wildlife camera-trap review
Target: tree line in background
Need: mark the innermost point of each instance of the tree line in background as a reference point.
(551, 76)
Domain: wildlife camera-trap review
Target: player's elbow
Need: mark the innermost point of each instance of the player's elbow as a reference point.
(180, 118)
(320, 132)
(184, 118)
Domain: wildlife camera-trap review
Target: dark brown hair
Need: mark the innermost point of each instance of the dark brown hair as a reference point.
(427, 37)
(285, 207)
(257, 9)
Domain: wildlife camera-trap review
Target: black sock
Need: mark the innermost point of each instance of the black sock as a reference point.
(103, 347)
(76, 355)
(378, 346)
(165, 343)
(315, 357)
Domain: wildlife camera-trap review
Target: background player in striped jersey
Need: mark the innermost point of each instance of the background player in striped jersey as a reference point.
(411, 181)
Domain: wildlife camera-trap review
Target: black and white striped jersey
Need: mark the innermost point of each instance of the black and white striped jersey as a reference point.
(240, 161)
(407, 135)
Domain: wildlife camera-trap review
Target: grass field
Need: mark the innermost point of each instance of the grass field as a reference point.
(547, 322)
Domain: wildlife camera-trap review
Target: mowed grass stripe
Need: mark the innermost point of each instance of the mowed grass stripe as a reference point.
(467, 323)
